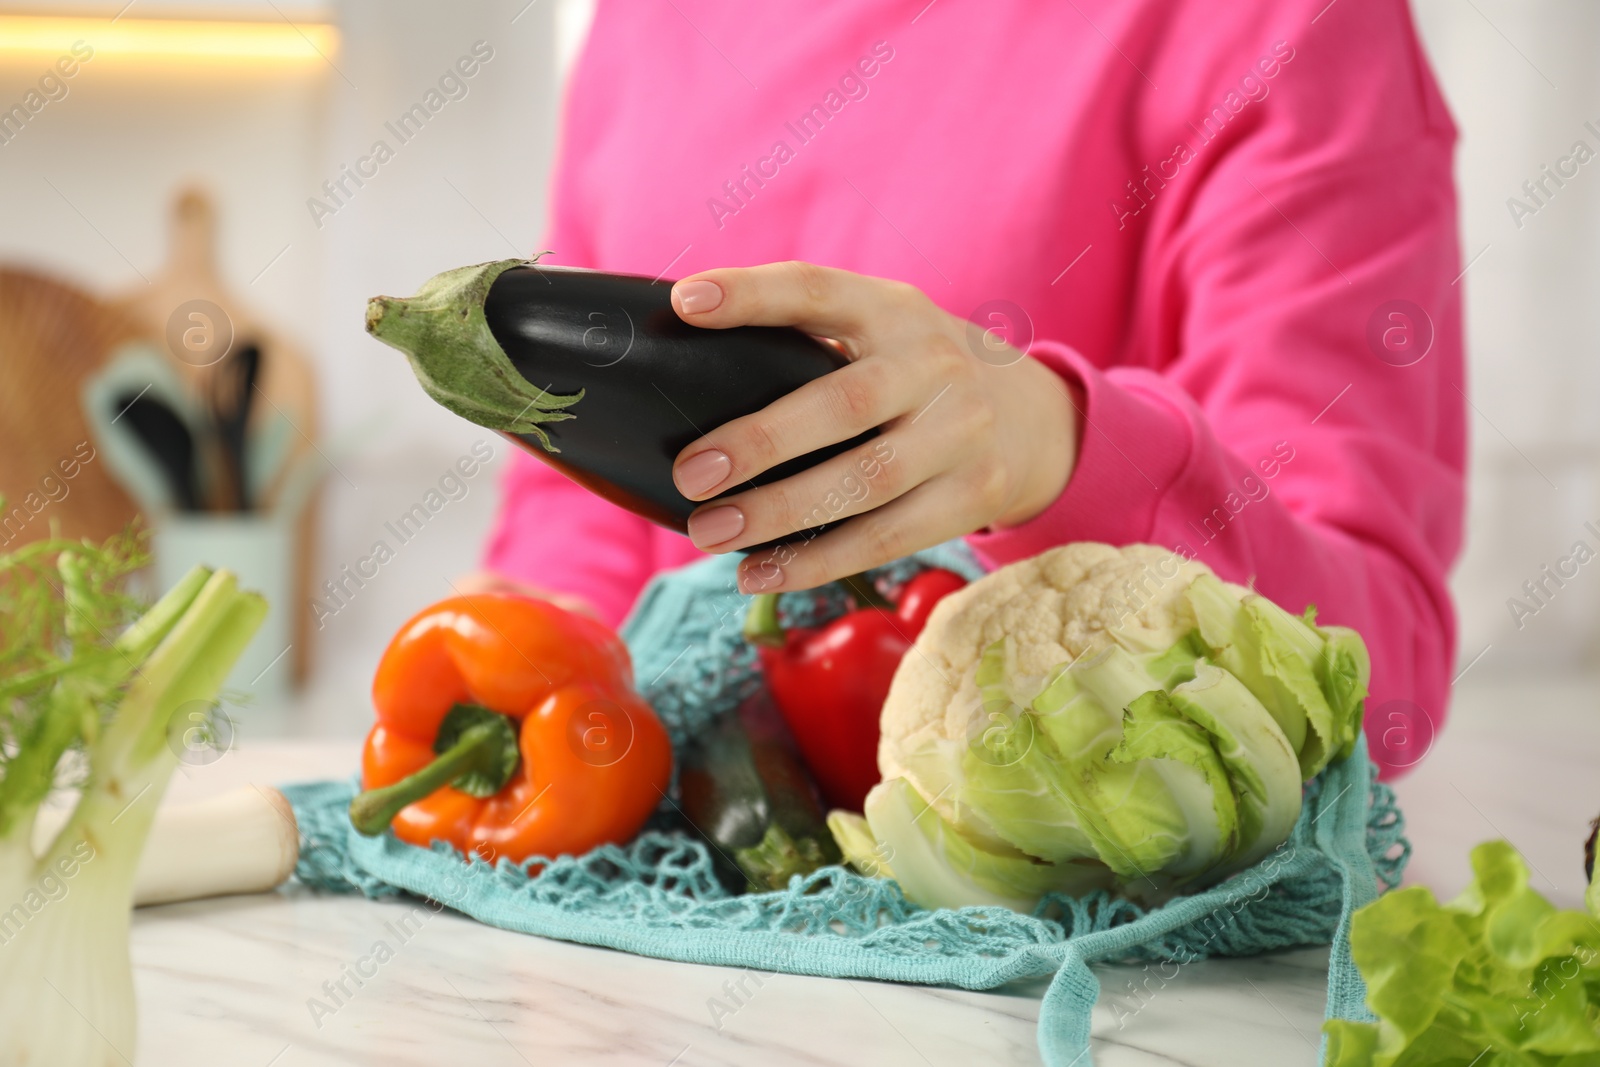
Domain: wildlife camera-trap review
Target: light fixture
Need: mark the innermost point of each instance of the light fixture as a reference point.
(168, 38)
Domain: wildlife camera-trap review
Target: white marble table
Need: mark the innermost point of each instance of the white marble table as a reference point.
(233, 982)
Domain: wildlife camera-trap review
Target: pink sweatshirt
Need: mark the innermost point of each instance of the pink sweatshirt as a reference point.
(1234, 225)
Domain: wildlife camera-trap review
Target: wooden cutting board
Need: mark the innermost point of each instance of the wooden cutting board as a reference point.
(53, 336)
(197, 320)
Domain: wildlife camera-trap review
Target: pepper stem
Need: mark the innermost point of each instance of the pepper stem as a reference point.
(761, 625)
(761, 621)
(477, 750)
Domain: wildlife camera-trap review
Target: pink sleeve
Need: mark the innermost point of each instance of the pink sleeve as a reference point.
(555, 534)
(1281, 441)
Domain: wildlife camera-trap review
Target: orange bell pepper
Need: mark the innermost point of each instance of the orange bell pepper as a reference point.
(509, 727)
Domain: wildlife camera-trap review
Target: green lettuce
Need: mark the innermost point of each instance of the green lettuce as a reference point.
(1498, 977)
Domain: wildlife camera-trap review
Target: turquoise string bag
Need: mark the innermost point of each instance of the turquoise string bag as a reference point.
(658, 896)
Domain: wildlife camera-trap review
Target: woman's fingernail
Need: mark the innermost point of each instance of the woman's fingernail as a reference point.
(766, 578)
(697, 296)
(715, 525)
(702, 472)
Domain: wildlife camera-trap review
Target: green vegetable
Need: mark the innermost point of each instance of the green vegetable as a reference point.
(743, 787)
(1498, 977)
(90, 691)
(1102, 716)
(948, 870)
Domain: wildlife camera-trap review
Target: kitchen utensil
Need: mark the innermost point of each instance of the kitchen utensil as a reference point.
(259, 546)
(169, 442)
(230, 392)
(136, 369)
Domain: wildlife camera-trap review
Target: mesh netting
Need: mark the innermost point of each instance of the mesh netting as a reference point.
(687, 632)
(666, 881)
(658, 895)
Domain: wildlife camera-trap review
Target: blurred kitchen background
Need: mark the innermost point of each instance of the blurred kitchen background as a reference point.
(255, 105)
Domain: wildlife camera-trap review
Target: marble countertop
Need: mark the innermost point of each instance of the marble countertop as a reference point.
(239, 982)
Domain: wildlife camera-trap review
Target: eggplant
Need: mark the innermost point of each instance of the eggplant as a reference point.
(595, 374)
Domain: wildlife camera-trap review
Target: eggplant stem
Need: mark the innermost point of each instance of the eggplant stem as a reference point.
(372, 811)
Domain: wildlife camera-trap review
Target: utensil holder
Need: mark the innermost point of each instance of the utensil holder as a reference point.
(260, 550)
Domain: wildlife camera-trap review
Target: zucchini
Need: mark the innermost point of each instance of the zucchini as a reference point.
(742, 787)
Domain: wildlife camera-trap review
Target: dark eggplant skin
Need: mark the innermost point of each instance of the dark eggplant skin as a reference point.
(651, 382)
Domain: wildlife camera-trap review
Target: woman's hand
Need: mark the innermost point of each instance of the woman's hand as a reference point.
(966, 442)
(490, 582)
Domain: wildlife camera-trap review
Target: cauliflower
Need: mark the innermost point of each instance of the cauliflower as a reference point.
(1099, 716)
(1051, 608)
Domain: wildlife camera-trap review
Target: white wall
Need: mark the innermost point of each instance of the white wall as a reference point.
(125, 134)
(1522, 80)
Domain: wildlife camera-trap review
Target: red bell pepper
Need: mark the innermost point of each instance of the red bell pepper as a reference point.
(830, 681)
(509, 727)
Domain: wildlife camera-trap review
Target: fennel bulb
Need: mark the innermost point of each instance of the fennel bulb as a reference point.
(87, 694)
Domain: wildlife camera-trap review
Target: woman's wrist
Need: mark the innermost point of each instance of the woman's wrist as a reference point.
(1044, 425)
